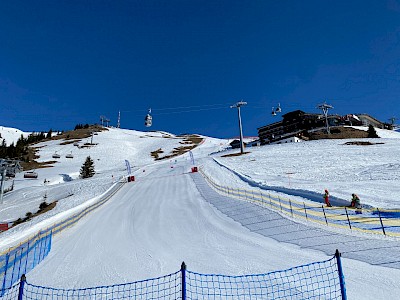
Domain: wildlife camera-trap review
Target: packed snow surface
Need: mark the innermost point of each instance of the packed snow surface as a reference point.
(153, 224)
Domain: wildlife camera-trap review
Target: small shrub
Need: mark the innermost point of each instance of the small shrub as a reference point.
(372, 132)
(43, 205)
(18, 221)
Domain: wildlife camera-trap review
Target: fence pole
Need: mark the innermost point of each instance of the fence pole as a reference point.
(324, 215)
(13, 264)
(341, 276)
(20, 261)
(380, 219)
(5, 272)
(27, 256)
(21, 287)
(35, 245)
(270, 199)
(280, 202)
(348, 219)
(291, 210)
(183, 276)
(305, 210)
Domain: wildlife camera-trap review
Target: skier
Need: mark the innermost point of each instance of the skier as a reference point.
(326, 198)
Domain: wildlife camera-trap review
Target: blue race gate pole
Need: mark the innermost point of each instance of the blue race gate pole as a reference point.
(21, 287)
(183, 275)
(341, 276)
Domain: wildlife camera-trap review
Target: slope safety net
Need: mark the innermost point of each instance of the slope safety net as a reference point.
(376, 221)
(313, 281)
(166, 287)
(23, 258)
(319, 280)
(29, 253)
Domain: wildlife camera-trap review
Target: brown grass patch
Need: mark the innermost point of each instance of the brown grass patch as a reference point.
(234, 154)
(69, 142)
(360, 143)
(39, 212)
(79, 133)
(156, 154)
(31, 163)
(191, 140)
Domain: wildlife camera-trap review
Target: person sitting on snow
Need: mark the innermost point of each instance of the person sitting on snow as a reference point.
(326, 198)
(355, 201)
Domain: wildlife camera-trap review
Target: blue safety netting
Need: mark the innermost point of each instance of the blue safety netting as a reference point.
(319, 280)
(313, 281)
(166, 287)
(23, 258)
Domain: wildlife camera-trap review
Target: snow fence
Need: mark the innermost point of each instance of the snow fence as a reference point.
(377, 221)
(21, 259)
(318, 280)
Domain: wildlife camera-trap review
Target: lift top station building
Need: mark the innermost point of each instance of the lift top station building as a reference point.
(295, 122)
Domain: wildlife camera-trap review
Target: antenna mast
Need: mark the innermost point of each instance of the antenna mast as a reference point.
(119, 119)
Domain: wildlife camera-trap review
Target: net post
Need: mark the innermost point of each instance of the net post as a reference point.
(5, 274)
(347, 215)
(305, 210)
(380, 219)
(183, 278)
(291, 210)
(21, 287)
(341, 276)
(326, 220)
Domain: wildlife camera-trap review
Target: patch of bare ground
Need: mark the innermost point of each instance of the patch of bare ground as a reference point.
(360, 143)
(156, 154)
(43, 208)
(339, 132)
(70, 137)
(79, 133)
(87, 145)
(234, 154)
(192, 141)
(30, 163)
(70, 142)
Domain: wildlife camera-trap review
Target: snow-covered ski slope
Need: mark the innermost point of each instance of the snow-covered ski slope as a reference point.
(153, 224)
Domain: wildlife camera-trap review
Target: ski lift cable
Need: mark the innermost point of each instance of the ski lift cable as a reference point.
(181, 107)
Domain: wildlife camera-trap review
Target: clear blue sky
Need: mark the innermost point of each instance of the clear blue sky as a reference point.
(68, 62)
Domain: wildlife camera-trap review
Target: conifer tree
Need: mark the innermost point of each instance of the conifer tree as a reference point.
(48, 135)
(87, 169)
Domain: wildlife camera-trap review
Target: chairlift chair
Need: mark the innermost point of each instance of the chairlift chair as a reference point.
(273, 113)
(31, 174)
(56, 155)
(278, 109)
(69, 155)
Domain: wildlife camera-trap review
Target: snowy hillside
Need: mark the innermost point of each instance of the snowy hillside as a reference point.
(151, 225)
(11, 135)
(372, 171)
(109, 153)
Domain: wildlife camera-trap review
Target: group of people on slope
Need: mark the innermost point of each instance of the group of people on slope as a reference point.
(355, 200)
